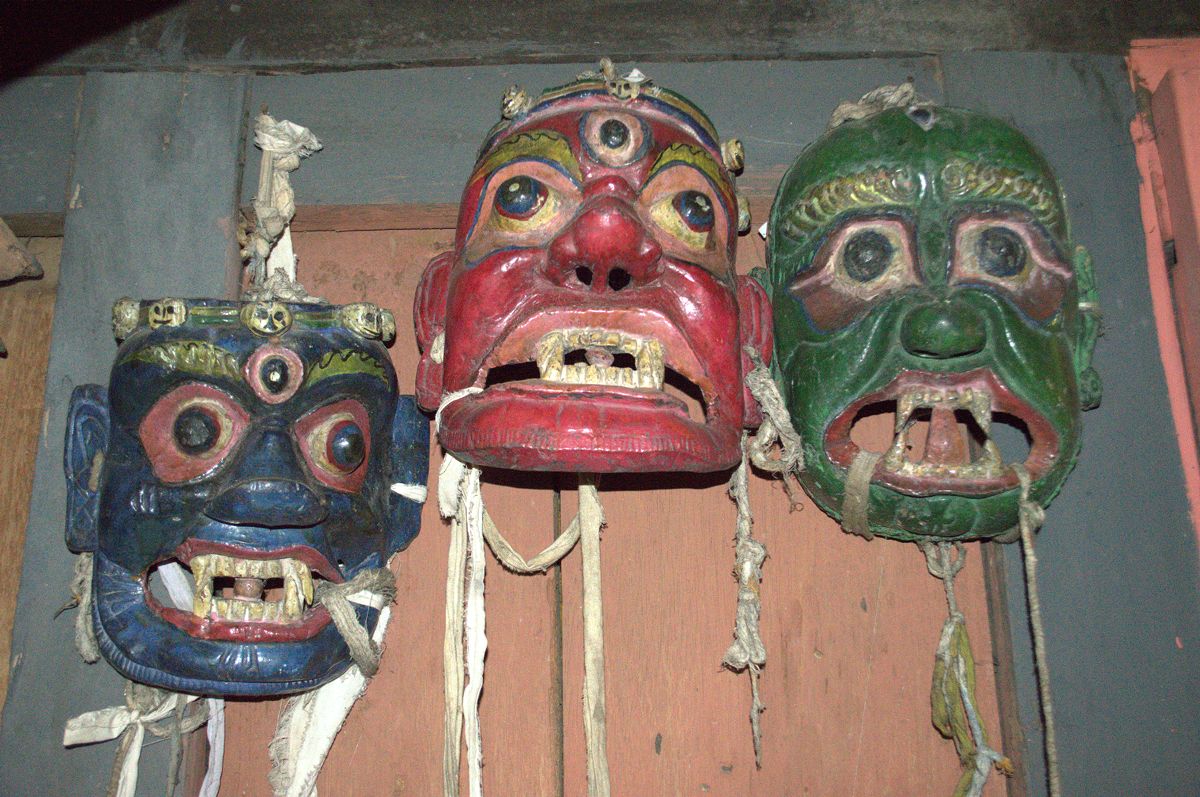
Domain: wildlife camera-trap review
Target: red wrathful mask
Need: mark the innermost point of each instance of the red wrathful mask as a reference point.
(591, 298)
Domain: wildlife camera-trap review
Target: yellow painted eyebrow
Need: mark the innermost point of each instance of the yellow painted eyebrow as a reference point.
(543, 145)
(191, 357)
(821, 204)
(692, 156)
(346, 361)
(963, 179)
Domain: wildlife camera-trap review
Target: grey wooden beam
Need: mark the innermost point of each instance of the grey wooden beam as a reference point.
(37, 129)
(357, 34)
(411, 135)
(154, 190)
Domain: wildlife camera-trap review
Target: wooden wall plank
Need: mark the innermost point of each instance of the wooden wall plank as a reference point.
(37, 127)
(850, 626)
(26, 316)
(1177, 132)
(1012, 736)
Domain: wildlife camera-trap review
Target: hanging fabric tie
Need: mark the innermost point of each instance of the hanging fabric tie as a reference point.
(776, 427)
(857, 500)
(161, 713)
(747, 651)
(595, 713)
(372, 587)
(952, 696)
(81, 598)
(310, 721)
(268, 248)
(1031, 516)
(460, 499)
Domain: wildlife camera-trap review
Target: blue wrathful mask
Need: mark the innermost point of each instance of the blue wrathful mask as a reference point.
(255, 444)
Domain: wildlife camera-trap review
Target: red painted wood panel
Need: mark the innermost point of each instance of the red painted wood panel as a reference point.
(1165, 76)
(851, 628)
(1177, 130)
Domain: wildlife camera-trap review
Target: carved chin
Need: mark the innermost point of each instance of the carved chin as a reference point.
(243, 595)
(943, 434)
(616, 397)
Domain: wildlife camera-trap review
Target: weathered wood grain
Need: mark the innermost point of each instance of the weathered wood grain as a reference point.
(851, 627)
(26, 317)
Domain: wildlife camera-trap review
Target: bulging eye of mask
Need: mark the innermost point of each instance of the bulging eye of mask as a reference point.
(254, 446)
(924, 281)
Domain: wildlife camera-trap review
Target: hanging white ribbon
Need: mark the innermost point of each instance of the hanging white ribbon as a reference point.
(179, 587)
(460, 498)
(311, 721)
(107, 724)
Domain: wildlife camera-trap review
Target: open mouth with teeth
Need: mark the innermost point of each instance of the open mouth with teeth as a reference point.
(945, 432)
(556, 396)
(600, 357)
(581, 360)
(242, 595)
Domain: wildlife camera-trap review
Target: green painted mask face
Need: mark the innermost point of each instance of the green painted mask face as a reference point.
(921, 268)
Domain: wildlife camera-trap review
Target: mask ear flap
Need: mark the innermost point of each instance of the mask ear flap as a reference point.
(429, 317)
(409, 459)
(83, 457)
(756, 326)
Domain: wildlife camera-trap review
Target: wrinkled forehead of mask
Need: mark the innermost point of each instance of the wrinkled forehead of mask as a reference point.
(250, 448)
(589, 318)
(925, 284)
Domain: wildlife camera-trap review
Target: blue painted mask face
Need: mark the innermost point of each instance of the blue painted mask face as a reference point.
(255, 445)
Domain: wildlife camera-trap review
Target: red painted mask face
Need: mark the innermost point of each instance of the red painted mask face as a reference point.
(591, 294)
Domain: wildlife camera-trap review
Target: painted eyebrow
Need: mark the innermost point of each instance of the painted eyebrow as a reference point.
(691, 156)
(874, 188)
(197, 357)
(545, 145)
(345, 361)
(964, 179)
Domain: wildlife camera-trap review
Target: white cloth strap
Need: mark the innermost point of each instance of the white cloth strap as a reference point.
(413, 492)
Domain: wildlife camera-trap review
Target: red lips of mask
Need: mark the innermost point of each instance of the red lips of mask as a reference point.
(592, 296)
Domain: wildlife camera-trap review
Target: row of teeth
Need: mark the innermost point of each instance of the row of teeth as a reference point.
(988, 464)
(297, 589)
(647, 353)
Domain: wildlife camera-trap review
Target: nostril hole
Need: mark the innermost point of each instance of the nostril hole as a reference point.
(618, 278)
(584, 275)
(922, 116)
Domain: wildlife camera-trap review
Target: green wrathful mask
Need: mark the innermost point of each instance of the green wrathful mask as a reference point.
(921, 267)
